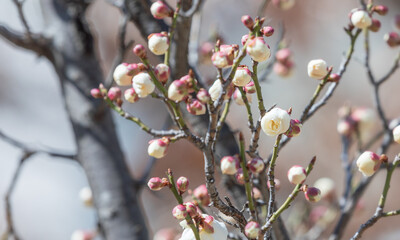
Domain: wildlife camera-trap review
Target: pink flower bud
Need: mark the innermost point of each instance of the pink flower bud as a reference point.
(178, 90)
(252, 230)
(327, 188)
(229, 165)
(123, 74)
(294, 129)
(244, 39)
(158, 43)
(114, 93)
(239, 176)
(162, 72)
(317, 69)
(396, 134)
(365, 119)
(155, 184)
(205, 52)
(203, 96)
(256, 193)
(242, 76)
(247, 21)
(392, 39)
(268, 31)
(160, 10)
(250, 88)
(380, 9)
(96, 93)
(221, 59)
(368, 163)
(334, 77)
(317, 213)
(375, 26)
(361, 19)
(182, 184)
(191, 209)
(345, 127)
(283, 70)
(207, 224)
(297, 174)
(143, 84)
(313, 194)
(179, 212)
(130, 95)
(165, 234)
(86, 196)
(195, 107)
(237, 96)
(140, 51)
(284, 4)
(158, 147)
(190, 82)
(258, 50)
(83, 235)
(277, 184)
(256, 165)
(283, 55)
(201, 193)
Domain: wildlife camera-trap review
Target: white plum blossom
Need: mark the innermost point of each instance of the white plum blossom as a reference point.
(237, 96)
(178, 90)
(361, 19)
(143, 84)
(228, 165)
(368, 163)
(396, 134)
(220, 231)
(123, 74)
(276, 121)
(297, 174)
(162, 72)
(252, 230)
(242, 77)
(158, 43)
(160, 10)
(317, 69)
(216, 89)
(258, 50)
(158, 147)
(86, 196)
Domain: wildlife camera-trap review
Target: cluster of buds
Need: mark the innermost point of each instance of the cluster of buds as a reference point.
(124, 73)
(294, 128)
(158, 147)
(179, 89)
(224, 57)
(113, 94)
(283, 65)
(186, 209)
(393, 38)
(359, 120)
(369, 162)
(156, 183)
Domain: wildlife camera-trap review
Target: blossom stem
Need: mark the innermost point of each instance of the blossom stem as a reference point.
(172, 31)
(271, 176)
(248, 108)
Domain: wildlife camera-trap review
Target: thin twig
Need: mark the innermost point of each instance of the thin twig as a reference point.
(21, 14)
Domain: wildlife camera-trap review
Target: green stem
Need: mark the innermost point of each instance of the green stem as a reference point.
(271, 176)
(261, 106)
(178, 197)
(248, 108)
(247, 184)
(171, 32)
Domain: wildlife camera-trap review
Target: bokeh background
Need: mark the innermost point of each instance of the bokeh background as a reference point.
(45, 202)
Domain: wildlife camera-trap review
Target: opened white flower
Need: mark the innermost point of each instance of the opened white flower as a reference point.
(368, 163)
(143, 84)
(220, 231)
(361, 19)
(396, 134)
(275, 122)
(317, 69)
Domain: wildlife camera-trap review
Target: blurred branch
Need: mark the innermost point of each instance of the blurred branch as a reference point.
(192, 10)
(21, 14)
(262, 7)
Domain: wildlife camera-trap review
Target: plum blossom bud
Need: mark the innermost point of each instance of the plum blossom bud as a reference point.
(143, 84)
(256, 165)
(160, 10)
(317, 69)
(276, 121)
(283, 70)
(375, 25)
(268, 31)
(86, 196)
(182, 184)
(247, 21)
(229, 165)
(177, 91)
(368, 163)
(155, 184)
(242, 76)
(239, 176)
(365, 119)
(162, 72)
(345, 127)
(206, 224)
(165, 234)
(258, 50)
(82, 235)
(158, 43)
(252, 230)
(224, 57)
(195, 107)
(131, 96)
(179, 212)
(189, 81)
(294, 129)
(140, 51)
(114, 93)
(297, 174)
(216, 89)
(210, 229)
(283, 55)
(123, 74)
(277, 184)
(191, 209)
(361, 19)
(312, 194)
(203, 96)
(396, 134)
(333, 77)
(96, 93)
(256, 193)
(201, 193)
(158, 147)
(326, 186)
(250, 88)
(244, 39)
(392, 39)
(237, 96)
(380, 9)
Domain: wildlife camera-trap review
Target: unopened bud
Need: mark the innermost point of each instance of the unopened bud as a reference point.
(242, 76)
(203, 96)
(327, 188)
(182, 184)
(297, 174)
(86, 196)
(140, 51)
(317, 69)
(237, 96)
(155, 184)
(206, 224)
(179, 212)
(361, 19)
(368, 163)
(229, 165)
(158, 43)
(247, 21)
(277, 184)
(178, 90)
(258, 50)
(294, 128)
(397, 21)
(158, 147)
(160, 10)
(333, 77)
(252, 230)
(244, 39)
(380, 9)
(143, 84)
(191, 209)
(256, 165)
(312, 194)
(131, 96)
(201, 193)
(239, 176)
(375, 26)
(392, 39)
(268, 31)
(83, 235)
(114, 93)
(396, 134)
(162, 72)
(250, 88)
(283, 55)
(96, 93)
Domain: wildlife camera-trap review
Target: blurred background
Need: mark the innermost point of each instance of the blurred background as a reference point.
(46, 204)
